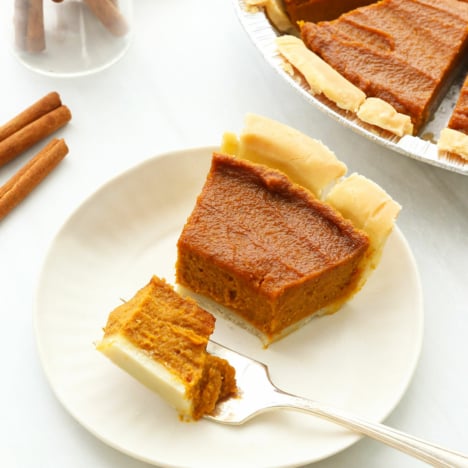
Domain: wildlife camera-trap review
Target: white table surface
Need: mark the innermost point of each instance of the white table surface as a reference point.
(190, 74)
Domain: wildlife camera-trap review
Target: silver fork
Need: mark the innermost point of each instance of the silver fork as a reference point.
(258, 394)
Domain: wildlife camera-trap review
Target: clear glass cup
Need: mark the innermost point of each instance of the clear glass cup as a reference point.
(71, 37)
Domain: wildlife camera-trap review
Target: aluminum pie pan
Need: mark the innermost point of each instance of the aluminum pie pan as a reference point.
(263, 35)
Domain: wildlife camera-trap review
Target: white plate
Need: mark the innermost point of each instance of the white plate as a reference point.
(421, 147)
(360, 359)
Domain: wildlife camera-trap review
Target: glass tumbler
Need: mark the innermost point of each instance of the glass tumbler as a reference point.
(71, 37)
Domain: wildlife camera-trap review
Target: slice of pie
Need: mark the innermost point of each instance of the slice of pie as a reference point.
(402, 51)
(268, 249)
(160, 338)
(324, 80)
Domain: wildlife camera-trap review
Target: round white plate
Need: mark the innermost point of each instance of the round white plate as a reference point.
(360, 359)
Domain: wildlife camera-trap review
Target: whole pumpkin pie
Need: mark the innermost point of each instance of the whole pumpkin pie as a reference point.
(160, 338)
(402, 51)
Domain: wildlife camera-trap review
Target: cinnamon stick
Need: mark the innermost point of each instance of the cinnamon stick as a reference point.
(20, 18)
(41, 107)
(30, 175)
(108, 13)
(35, 37)
(33, 132)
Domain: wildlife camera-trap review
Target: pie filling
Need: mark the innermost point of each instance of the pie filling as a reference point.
(270, 250)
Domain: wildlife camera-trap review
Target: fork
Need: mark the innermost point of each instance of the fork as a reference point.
(257, 394)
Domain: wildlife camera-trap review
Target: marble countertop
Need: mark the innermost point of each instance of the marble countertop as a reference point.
(190, 74)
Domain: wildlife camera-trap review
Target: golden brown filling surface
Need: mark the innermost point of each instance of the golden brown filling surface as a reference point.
(402, 51)
(265, 247)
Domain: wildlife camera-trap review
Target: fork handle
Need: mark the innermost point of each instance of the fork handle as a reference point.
(418, 448)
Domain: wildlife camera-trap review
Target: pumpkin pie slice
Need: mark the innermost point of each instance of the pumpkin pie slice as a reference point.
(402, 51)
(268, 250)
(325, 80)
(160, 338)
